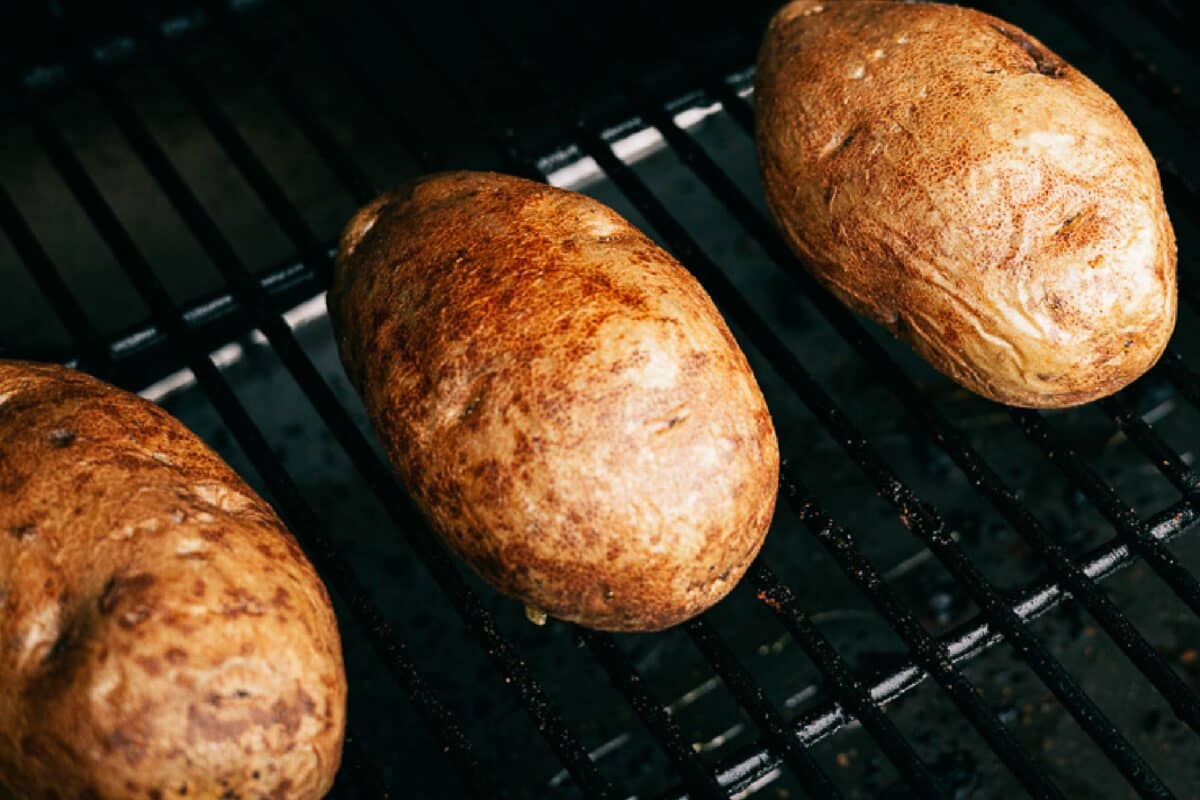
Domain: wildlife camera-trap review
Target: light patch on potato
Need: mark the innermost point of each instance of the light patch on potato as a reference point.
(190, 546)
(659, 371)
(37, 632)
(222, 497)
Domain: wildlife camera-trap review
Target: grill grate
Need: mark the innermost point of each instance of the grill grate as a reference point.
(176, 338)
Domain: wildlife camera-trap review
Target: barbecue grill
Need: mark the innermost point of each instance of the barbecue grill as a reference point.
(957, 599)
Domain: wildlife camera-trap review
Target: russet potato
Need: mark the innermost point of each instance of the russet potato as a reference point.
(560, 397)
(161, 634)
(945, 174)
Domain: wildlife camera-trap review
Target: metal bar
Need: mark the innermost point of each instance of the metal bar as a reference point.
(916, 516)
(248, 164)
(300, 517)
(1168, 462)
(368, 86)
(1129, 62)
(93, 355)
(547, 720)
(653, 713)
(780, 736)
(746, 768)
(335, 156)
(847, 687)
(1120, 515)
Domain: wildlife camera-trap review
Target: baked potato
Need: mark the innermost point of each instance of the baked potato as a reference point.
(945, 174)
(162, 635)
(559, 395)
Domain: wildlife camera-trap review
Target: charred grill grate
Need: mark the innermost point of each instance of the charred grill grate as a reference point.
(175, 337)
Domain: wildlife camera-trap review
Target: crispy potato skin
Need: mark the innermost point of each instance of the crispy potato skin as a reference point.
(162, 635)
(945, 174)
(559, 395)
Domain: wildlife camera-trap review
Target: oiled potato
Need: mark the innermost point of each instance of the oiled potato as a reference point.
(162, 636)
(945, 174)
(559, 395)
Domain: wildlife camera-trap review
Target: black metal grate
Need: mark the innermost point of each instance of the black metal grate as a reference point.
(549, 91)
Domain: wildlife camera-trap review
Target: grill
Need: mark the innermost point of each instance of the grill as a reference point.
(166, 201)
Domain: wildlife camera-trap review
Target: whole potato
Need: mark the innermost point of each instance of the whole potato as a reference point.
(559, 395)
(162, 635)
(945, 174)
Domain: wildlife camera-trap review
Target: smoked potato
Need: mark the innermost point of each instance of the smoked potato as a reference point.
(559, 395)
(162, 635)
(947, 175)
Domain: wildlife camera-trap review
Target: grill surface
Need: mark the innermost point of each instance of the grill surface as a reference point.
(170, 189)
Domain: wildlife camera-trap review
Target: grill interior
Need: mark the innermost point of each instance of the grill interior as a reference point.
(955, 598)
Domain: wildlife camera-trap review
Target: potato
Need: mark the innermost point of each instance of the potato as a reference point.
(162, 635)
(559, 395)
(945, 174)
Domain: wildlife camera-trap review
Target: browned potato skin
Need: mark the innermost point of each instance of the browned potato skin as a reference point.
(559, 395)
(162, 635)
(945, 174)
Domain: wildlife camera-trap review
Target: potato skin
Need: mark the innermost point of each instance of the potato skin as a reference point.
(162, 635)
(559, 395)
(945, 174)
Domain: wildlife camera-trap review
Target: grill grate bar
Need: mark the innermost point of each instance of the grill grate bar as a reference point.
(847, 687)
(1173, 20)
(1184, 378)
(545, 717)
(302, 520)
(1128, 61)
(932, 655)
(366, 84)
(653, 714)
(251, 168)
(93, 355)
(1169, 462)
(963, 643)
(919, 519)
(750, 696)
(1122, 517)
(951, 441)
(343, 166)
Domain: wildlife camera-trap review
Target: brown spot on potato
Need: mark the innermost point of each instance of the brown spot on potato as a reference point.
(1044, 61)
(175, 656)
(61, 437)
(27, 531)
(120, 587)
(150, 664)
